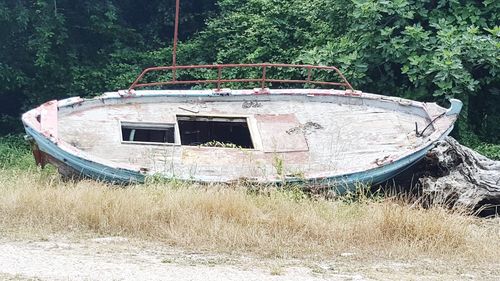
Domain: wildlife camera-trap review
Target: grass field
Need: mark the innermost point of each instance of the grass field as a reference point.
(215, 218)
(271, 222)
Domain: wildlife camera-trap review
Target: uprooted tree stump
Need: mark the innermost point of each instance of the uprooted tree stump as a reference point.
(458, 177)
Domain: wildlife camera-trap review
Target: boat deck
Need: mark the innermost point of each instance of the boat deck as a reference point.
(291, 136)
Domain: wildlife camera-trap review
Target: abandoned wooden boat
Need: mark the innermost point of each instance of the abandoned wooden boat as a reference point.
(323, 136)
(330, 137)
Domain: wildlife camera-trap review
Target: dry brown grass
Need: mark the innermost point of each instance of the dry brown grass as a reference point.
(277, 223)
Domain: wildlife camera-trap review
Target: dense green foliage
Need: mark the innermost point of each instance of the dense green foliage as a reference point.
(60, 48)
(425, 50)
(15, 153)
(490, 150)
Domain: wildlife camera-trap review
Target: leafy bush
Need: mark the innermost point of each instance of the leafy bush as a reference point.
(424, 50)
(489, 150)
(15, 153)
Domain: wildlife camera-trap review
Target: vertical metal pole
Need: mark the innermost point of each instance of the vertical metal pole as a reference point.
(219, 75)
(176, 34)
(263, 82)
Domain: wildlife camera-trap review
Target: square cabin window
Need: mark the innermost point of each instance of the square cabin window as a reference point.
(203, 130)
(148, 132)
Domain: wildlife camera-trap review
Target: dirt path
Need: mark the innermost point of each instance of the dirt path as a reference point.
(121, 259)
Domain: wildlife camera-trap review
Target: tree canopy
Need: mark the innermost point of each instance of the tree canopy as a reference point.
(427, 50)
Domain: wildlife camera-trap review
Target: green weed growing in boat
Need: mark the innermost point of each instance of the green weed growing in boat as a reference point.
(279, 165)
(220, 144)
(158, 179)
(294, 192)
(361, 194)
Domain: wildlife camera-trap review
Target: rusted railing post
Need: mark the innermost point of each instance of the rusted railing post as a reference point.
(347, 84)
(262, 80)
(219, 76)
(263, 83)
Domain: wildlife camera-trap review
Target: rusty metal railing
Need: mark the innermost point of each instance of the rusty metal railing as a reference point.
(263, 80)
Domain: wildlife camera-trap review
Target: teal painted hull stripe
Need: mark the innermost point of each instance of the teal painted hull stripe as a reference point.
(85, 167)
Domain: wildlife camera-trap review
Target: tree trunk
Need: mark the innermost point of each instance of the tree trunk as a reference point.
(464, 178)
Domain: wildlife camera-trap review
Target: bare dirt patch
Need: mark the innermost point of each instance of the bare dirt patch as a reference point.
(118, 258)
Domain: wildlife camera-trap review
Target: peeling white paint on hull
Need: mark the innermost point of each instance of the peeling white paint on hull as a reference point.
(328, 137)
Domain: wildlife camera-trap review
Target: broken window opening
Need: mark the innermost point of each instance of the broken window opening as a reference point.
(148, 132)
(201, 130)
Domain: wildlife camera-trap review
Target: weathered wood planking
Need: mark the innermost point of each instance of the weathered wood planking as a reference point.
(350, 137)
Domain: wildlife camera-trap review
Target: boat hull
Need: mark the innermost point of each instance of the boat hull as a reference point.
(44, 129)
(72, 166)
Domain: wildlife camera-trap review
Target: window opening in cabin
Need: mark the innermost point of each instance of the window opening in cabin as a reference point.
(214, 131)
(148, 132)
